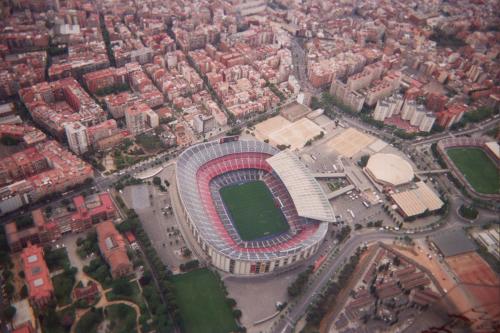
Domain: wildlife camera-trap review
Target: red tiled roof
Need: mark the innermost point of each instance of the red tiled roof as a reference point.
(83, 212)
(88, 291)
(112, 246)
(36, 272)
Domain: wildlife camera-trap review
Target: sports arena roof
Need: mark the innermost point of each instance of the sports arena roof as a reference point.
(417, 201)
(494, 148)
(306, 193)
(389, 169)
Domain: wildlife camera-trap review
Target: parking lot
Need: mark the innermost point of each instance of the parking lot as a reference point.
(351, 204)
(154, 209)
(258, 297)
(320, 159)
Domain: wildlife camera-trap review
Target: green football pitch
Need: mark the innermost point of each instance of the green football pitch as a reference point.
(252, 209)
(479, 170)
(202, 303)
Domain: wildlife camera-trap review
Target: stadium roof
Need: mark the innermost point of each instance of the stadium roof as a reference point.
(306, 193)
(494, 148)
(452, 243)
(188, 166)
(417, 201)
(390, 169)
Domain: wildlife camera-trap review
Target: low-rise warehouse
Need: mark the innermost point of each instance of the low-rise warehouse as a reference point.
(453, 243)
(417, 201)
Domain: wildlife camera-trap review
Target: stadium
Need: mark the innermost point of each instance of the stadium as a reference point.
(474, 162)
(251, 208)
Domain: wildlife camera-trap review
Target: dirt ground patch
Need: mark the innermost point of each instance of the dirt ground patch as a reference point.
(472, 288)
(294, 111)
(471, 268)
(278, 130)
(478, 280)
(350, 142)
(419, 255)
(265, 128)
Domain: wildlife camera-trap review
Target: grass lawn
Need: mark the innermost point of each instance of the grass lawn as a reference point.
(89, 322)
(63, 285)
(202, 303)
(123, 160)
(148, 142)
(479, 170)
(121, 318)
(56, 324)
(254, 214)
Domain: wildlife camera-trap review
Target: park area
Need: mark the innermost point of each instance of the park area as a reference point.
(115, 318)
(253, 210)
(203, 304)
(479, 170)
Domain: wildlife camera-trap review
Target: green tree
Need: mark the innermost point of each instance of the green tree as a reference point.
(444, 39)
(315, 103)
(122, 287)
(231, 302)
(24, 222)
(297, 286)
(468, 212)
(396, 261)
(363, 160)
(343, 233)
(8, 140)
(234, 131)
(9, 289)
(186, 252)
(8, 313)
(24, 292)
(237, 313)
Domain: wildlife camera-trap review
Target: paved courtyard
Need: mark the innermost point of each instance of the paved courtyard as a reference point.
(257, 297)
(69, 241)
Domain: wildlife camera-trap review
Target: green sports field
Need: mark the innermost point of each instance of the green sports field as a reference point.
(251, 206)
(479, 170)
(202, 303)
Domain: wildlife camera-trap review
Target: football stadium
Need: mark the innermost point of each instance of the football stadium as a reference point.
(252, 208)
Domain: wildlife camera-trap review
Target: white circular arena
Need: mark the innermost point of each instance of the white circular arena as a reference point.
(204, 169)
(389, 169)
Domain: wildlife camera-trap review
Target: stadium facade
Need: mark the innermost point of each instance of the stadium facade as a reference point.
(203, 169)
